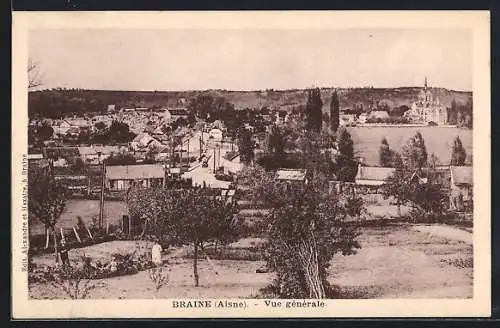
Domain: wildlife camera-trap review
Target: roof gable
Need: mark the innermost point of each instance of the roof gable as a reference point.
(131, 172)
(291, 175)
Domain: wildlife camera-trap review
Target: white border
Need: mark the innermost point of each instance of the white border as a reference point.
(478, 21)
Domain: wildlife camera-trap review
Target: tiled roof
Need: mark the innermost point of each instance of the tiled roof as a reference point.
(178, 112)
(130, 172)
(291, 174)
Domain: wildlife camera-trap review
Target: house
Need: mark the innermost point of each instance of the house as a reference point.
(171, 115)
(88, 155)
(163, 154)
(378, 115)
(281, 117)
(35, 158)
(347, 119)
(143, 141)
(107, 151)
(111, 108)
(215, 134)
(372, 175)
(60, 162)
(362, 118)
(461, 187)
(73, 132)
(61, 128)
(122, 177)
(217, 124)
(291, 175)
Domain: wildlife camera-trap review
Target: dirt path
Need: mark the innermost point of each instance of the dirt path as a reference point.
(447, 232)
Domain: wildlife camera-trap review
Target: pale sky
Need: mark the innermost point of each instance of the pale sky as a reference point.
(165, 60)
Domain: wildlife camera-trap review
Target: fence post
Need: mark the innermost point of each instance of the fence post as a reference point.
(77, 236)
(47, 238)
(90, 235)
(62, 234)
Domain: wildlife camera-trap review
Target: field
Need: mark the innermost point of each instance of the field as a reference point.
(438, 140)
(395, 261)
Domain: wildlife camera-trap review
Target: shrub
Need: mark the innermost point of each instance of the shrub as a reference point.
(158, 278)
(119, 265)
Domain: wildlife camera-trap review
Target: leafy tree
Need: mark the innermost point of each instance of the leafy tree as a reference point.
(346, 165)
(326, 119)
(315, 159)
(453, 112)
(46, 200)
(407, 188)
(334, 112)
(314, 107)
(208, 219)
(458, 154)
(120, 159)
(306, 228)
(100, 126)
(397, 185)
(119, 132)
(414, 152)
(148, 206)
(276, 143)
(385, 154)
(163, 213)
(39, 133)
(246, 146)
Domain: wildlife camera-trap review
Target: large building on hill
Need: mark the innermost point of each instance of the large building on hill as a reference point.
(427, 108)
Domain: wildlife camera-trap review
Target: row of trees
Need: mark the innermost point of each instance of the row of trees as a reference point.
(415, 148)
(460, 113)
(415, 180)
(117, 132)
(315, 117)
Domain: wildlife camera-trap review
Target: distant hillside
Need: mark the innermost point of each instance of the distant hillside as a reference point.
(66, 101)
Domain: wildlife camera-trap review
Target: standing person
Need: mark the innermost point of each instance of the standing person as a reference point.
(63, 252)
(156, 254)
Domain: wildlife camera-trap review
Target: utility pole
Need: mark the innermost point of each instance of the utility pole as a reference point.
(215, 148)
(188, 151)
(101, 203)
(201, 145)
(218, 161)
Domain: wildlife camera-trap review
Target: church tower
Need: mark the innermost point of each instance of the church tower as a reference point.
(425, 83)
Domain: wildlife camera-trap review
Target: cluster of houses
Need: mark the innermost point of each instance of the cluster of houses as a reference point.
(457, 181)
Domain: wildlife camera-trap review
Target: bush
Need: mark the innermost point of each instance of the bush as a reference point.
(233, 254)
(119, 265)
(158, 278)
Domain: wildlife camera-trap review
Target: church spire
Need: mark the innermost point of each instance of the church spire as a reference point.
(425, 83)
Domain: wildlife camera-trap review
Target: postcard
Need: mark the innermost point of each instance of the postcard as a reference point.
(251, 164)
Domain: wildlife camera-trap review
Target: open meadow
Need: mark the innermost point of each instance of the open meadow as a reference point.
(395, 261)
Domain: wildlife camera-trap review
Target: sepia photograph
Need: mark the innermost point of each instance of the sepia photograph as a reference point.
(277, 167)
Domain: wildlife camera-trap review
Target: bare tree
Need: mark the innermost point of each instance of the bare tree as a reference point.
(34, 74)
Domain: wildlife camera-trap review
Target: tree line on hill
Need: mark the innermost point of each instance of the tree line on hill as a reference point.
(117, 133)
